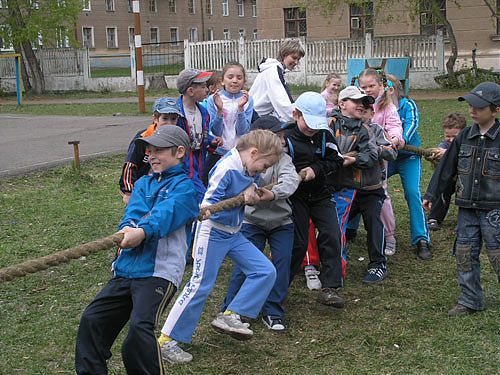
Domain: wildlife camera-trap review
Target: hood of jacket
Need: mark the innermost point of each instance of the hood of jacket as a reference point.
(269, 63)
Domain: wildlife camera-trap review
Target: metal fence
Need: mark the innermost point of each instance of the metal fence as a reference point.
(163, 57)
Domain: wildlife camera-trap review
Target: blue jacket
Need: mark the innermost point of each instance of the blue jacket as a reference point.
(194, 162)
(163, 205)
(410, 117)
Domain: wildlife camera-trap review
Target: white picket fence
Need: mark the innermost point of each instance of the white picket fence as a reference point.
(322, 56)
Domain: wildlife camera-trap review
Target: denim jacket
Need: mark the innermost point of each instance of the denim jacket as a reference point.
(475, 160)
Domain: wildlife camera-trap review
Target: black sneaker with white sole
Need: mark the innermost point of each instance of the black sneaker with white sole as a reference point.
(274, 323)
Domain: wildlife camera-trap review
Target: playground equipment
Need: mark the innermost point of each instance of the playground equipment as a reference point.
(19, 83)
(397, 66)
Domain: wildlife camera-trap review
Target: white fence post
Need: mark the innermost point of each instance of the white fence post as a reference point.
(368, 46)
(303, 62)
(132, 62)
(440, 51)
(187, 54)
(86, 67)
(242, 53)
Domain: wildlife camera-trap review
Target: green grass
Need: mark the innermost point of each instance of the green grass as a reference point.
(172, 69)
(397, 327)
(90, 109)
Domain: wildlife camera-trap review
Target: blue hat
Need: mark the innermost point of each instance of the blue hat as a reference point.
(313, 108)
(167, 105)
(271, 123)
(483, 95)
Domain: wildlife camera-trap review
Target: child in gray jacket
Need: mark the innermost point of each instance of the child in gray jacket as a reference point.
(271, 221)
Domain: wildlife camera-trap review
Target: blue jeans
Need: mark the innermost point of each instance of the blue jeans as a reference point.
(281, 242)
(474, 227)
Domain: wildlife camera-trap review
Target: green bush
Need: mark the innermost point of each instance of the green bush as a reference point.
(467, 78)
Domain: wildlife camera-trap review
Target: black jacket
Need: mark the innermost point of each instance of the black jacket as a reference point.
(475, 161)
(319, 152)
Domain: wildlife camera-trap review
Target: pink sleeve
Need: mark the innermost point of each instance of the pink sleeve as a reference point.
(393, 124)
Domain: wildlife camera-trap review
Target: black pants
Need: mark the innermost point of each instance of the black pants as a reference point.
(210, 161)
(141, 301)
(323, 213)
(440, 207)
(369, 204)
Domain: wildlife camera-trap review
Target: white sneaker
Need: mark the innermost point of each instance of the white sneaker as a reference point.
(172, 353)
(232, 325)
(390, 246)
(312, 279)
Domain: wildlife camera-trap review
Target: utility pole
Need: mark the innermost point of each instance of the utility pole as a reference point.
(139, 73)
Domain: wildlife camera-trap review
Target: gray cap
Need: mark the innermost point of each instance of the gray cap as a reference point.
(189, 76)
(483, 95)
(167, 136)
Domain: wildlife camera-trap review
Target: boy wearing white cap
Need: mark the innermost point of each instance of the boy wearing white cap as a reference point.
(314, 152)
(472, 163)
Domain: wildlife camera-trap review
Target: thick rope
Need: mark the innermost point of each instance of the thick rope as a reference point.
(35, 265)
(39, 264)
(425, 152)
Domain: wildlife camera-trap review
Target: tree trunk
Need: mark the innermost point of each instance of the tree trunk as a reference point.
(38, 82)
(450, 64)
(24, 71)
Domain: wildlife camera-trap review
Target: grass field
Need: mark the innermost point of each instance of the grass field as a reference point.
(397, 327)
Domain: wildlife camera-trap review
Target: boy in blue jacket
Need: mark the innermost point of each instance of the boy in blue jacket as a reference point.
(149, 265)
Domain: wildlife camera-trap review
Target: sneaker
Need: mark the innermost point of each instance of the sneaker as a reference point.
(274, 323)
(172, 353)
(423, 251)
(330, 297)
(312, 279)
(232, 325)
(390, 246)
(433, 224)
(460, 310)
(375, 275)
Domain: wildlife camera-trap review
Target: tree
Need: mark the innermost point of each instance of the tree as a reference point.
(27, 22)
(433, 8)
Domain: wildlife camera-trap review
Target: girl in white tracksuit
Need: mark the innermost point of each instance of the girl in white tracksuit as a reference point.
(220, 236)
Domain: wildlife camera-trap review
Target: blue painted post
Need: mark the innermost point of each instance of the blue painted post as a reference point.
(18, 80)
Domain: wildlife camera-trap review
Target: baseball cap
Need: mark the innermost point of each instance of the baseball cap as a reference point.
(483, 95)
(167, 136)
(167, 105)
(353, 92)
(189, 76)
(271, 123)
(313, 108)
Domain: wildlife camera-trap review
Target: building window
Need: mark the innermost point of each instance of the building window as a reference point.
(152, 6)
(193, 34)
(154, 35)
(131, 36)
(208, 7)
(241, 8)
(33, 4)
(130, 6)
(86, 5)
(361, 19)
(111, 37)
(210, 34)
(62, 40)
(110, 5)
(225, 7)
(226, 34)
(431, 14)
(191, 7)
(255, 35)
(241, 32)
(3, 4)
(254, 8)
(174, 34)
(4, 44)
(295, 22)
(172, 6)
(88, 37)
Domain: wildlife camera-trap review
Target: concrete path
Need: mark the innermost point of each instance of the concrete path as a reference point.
(33, 142)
